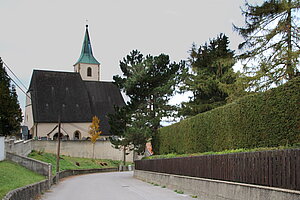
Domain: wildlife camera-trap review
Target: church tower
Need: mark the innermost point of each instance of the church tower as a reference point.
(87, 65)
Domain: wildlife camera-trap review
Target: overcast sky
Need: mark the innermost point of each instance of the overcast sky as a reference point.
(48, 34)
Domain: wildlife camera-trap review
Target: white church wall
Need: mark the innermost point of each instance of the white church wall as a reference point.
(28, 121)
(66, 128)
(82, 69)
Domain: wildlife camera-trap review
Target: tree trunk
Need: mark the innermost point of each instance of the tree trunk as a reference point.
(289, 66)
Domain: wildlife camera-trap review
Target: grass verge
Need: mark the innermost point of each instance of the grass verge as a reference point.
(13, 176)
(67, 162)
(173, 155)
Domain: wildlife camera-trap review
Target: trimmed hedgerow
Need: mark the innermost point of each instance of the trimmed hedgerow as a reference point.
(266, 119)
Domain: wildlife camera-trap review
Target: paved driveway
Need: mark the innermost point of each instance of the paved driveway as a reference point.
(109, 186)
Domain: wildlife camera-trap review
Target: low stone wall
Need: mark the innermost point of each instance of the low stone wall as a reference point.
(215, 189)
(67, 173)
(2, 149)
(28, 192)
(82, 148)
(73, 148)
(19, 147)
(37, 166)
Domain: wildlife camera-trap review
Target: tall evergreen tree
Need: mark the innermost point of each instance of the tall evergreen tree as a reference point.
(118, 121)
(149, 82)
(209, 76)
(10, 111)
(272, 36)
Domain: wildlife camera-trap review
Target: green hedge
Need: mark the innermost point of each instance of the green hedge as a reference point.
(265, 119)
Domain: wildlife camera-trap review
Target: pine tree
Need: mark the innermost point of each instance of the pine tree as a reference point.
(118, 122)
(149, 81)
(10, 111)
(210, 75)
(272, 35)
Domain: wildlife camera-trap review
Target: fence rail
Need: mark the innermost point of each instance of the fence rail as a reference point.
(280, 168)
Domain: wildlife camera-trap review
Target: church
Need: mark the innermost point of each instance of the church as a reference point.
(72, 98)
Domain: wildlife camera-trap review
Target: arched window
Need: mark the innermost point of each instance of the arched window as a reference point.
(77, 135)
(89, 71)
(55, 136)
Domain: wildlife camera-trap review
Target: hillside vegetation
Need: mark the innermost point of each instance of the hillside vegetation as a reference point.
(13, 176)
(67, 162)
(227, 151)
(266, 119)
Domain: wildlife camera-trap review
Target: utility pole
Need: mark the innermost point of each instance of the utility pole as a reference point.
(124, 156)
(58, 151)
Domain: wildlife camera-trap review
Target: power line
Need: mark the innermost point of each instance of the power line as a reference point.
(18, 86)
(14, 75)
(15, 81)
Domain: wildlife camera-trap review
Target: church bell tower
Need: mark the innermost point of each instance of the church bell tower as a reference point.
(87, 65)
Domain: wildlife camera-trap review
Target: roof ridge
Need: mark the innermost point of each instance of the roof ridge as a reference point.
(43, 70)
(97, 81)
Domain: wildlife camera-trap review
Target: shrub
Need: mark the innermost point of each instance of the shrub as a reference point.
(264, 119)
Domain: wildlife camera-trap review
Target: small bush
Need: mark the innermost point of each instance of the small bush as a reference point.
(179, 191)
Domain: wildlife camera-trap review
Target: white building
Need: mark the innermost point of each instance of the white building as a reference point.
(71, 97)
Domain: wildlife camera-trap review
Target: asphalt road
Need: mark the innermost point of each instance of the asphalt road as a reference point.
(109, 186)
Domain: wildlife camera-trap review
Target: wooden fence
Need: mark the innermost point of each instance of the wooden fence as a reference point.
(280, 168)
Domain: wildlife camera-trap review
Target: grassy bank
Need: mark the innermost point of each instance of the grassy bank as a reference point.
(13, 176)
(174, 155)
(67, 162)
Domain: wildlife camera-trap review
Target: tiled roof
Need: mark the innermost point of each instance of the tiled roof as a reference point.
(76, 100)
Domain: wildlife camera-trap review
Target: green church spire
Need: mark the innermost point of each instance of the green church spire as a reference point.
(86, 55)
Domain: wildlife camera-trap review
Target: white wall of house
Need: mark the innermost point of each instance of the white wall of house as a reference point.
(2, 149)
(42, 129)
(28, 121)
(82, 69)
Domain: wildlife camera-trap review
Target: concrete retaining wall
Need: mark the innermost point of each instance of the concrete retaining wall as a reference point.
(20, 147)
(67, 173)
(73, 148)
(2, 149)
(216, 190)
(37, 166)
(82, 148)
(28, 192)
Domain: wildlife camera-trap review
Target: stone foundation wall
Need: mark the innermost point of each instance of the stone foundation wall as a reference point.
(2, 149)
(215, 189)
(19, 147)
(28, 192)
(73, 148)
(37, 166)
(82, 148)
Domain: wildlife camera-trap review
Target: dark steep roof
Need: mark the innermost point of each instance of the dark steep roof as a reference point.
(103, 96)
(77, 100)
